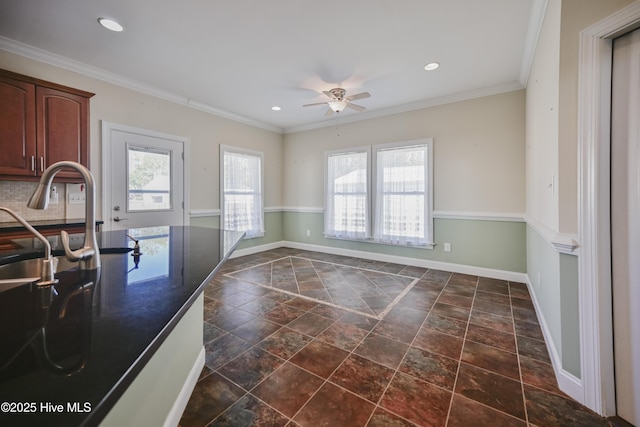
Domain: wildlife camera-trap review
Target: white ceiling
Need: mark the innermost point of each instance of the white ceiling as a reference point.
(238, 58)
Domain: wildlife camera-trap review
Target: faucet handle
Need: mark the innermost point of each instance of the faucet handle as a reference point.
(77, 255)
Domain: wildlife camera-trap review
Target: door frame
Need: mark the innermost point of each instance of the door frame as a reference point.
(594, 263)
(107, 129)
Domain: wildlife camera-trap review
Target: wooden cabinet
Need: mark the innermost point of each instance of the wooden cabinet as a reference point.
(41, 123)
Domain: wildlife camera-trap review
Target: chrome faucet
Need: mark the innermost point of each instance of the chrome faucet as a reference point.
(89, 255)
(49, 263)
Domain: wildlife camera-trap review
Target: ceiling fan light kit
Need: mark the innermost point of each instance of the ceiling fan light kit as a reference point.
(338, 102)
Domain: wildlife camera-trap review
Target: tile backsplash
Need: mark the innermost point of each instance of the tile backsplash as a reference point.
(15, 195)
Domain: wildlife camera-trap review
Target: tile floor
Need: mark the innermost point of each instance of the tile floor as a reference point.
(414, 347)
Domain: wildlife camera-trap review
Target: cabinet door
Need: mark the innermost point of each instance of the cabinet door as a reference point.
(17, 133)
(62, 129)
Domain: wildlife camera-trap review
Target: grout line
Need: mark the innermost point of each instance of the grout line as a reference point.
(515, 337)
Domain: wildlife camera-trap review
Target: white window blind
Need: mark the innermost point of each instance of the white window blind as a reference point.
(242, 199)
(347, 195)
(402, 207)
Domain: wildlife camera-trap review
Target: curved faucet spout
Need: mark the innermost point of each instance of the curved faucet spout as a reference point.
(89, 255)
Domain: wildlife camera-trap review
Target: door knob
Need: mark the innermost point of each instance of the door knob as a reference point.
(118, 219)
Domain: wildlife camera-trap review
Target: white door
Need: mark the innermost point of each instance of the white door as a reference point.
(144, 174)
(625, 223)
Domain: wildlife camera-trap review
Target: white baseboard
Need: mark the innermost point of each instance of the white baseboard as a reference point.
(512, 276)
(567, 382)
(173, 418)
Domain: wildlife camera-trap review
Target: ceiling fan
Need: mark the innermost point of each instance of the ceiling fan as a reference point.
(339, 102)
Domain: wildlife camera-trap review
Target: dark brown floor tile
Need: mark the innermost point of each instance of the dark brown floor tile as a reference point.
(399, 331)
(530, 330)
(320, 358)
(493, 321)
(413, 271)
(522, 303)
(466, 412)
(488, 336)
(363, 377)
(231, 319)
(211, 332)
(283, 314)
(310, 324)
(430, 367)
(492, 359)
(464, 278)
(288, 389)
(249, 411)
(346, 337)
(459, 289)
(491, 297)
(214, 308)
(459, 313)
(284, 343)
(255, 330)
(204, 373)
(328, 311)
(333, 406)
(446, 325)
(436, 342)
(210, 397)
(533, 348)
(417, 401)
(251, 367)
(539, 374)
(519, 290)
(301, 304)
(363, 322)
(221, 351)
(437, 276)
(493, 308)
(239, 298)
(383, 418)
(488, 388)
(548, 409)
(406, 315)
(382, 350)
(499, 287)
(260, 305)
(457, 300)
(525, 314)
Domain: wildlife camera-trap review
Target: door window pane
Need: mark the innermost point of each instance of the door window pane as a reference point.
(148, 180)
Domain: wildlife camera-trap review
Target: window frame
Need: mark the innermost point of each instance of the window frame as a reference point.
(249, 234)
(372, 190)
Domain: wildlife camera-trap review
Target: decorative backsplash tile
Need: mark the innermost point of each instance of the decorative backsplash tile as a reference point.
(15, 195)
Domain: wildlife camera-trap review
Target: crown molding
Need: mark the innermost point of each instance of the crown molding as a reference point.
(538, 11)
(59, 61)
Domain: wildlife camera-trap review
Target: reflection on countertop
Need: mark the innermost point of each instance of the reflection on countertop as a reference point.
(86, 340)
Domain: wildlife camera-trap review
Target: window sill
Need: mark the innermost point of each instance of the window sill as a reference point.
(428, 246)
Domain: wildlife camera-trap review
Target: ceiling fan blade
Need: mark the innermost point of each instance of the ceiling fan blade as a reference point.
(329, 112)
(317, 103)
(358, 96)
(355, 107)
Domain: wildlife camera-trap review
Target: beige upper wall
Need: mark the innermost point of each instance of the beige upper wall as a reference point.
(205, 131)
(479, 153)
(552, 111)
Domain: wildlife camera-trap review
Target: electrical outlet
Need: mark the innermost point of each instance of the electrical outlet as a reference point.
(53, 195)
(76, 198)
(447, 247)
(308, 233)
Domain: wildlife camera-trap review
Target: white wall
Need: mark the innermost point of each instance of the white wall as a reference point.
(479, 153)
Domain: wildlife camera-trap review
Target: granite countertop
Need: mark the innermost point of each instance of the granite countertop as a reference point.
(96, 335)
(45, 224)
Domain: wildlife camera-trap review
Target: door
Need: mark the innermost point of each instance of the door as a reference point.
(146, 175)
(625, 223)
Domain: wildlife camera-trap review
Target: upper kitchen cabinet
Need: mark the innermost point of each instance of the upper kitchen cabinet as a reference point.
(41, 123)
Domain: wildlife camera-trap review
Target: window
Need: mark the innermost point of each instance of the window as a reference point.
(401, 196)
(241, 194)
(148, 179)
(347, 198)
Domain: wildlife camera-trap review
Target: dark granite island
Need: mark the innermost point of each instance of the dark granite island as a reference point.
(121, 349)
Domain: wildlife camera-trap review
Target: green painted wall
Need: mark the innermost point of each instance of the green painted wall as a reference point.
(272, 229)
(498, 245)
(557, 294)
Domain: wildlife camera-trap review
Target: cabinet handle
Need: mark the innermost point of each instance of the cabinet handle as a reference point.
(33, 163)
(41, 164)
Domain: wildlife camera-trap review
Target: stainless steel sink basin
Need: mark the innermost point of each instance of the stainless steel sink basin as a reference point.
(27, 271)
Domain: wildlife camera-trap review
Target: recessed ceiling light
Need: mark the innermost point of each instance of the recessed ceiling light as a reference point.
(276, 108)
(431, 66)
(110, 24)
